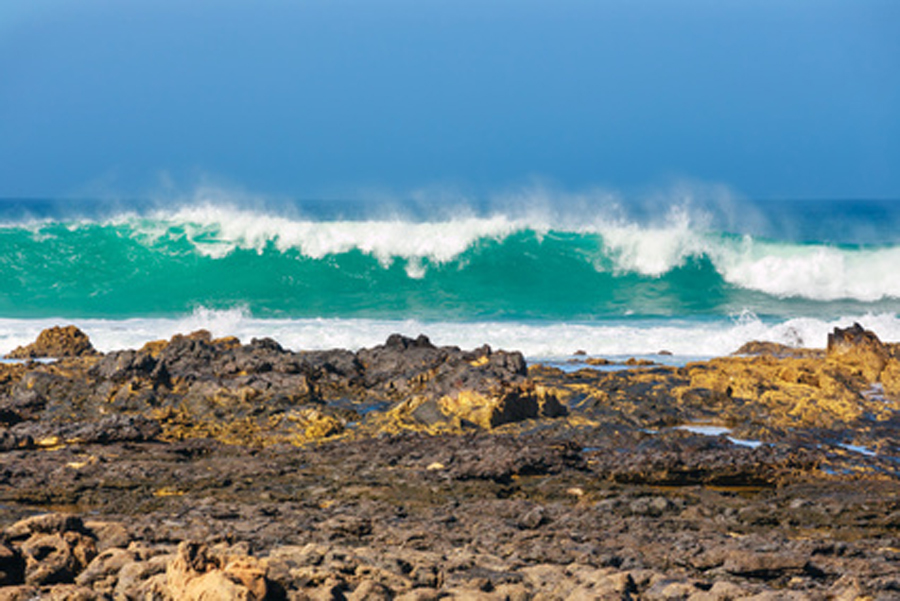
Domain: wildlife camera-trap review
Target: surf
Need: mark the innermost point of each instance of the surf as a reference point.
(473, 265)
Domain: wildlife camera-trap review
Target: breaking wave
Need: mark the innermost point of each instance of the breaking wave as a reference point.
(474, 266)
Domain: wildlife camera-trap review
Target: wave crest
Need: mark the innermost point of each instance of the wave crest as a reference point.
(502, 245)
(216, 231)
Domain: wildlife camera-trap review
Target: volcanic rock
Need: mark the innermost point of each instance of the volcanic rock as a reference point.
(56, 342)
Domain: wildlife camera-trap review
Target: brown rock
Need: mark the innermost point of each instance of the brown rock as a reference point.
(56, 342)
(102, 573)
(420, 594)
(721, 591)
(858, 348)
(71, 592)
(664, 590)
(191, 561)
(196, 574)
(19, 593)
(46, 523)
(210, 586)
(598, 361)
(251, 573)
(142, 576)
(108, 534)
(56, 558)
(369, 590)
(762, 565)
(781, 351)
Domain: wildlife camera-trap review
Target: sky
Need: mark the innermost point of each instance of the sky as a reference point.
(320, 98)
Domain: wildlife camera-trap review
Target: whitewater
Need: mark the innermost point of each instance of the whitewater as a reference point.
(679, 278)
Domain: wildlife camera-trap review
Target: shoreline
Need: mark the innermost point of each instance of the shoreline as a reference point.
(538, 340)
(199, 465)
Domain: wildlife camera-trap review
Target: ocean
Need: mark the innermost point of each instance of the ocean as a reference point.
(542, 274)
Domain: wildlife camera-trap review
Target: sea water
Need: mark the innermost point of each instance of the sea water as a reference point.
(602, 276)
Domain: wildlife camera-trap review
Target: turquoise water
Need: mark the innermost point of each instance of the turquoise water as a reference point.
(506, 275)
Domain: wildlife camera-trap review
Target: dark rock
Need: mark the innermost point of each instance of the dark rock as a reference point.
(115, 428)
(533, 518)
(650, 506)
(345, 525)
(123, 365)
(762, 565)
(22, 405)
(10, 440)
(499, 458)
(12, 566)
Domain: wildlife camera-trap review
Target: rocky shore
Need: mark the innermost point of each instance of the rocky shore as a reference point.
(201, 468)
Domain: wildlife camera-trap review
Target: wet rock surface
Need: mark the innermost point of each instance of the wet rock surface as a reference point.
(201, 468)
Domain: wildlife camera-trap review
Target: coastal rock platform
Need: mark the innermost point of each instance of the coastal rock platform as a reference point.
(202, 468)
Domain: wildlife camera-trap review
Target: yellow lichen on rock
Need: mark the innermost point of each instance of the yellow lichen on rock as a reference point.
(471, 408)
(797, 392)
(154, 347)
(320, 425)
(480, 361)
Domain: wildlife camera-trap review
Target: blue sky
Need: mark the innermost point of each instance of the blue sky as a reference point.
(317, 98)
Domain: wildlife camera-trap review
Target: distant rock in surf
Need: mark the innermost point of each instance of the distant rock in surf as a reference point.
(756, 348)
(55, 343)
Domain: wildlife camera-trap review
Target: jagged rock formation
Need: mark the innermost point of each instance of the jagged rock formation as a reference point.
(260, 393)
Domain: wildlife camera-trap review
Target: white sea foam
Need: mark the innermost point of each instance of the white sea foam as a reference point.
(652, 250)
(536, 340)
(815, 271)
(216, 231)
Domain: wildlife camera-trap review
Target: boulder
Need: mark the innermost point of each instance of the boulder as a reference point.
(102, 573)
(473, 408)
(512, 405)
(198, 573)
(20, 593)
(56, 558)
(56, 342)
(46, 523)
(860, 349)
(774, 349)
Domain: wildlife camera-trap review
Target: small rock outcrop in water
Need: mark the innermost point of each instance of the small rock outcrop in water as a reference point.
(774, 349)
(54, 343)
